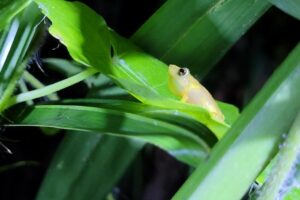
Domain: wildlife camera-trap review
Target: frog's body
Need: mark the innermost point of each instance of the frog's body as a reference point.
(184, 85)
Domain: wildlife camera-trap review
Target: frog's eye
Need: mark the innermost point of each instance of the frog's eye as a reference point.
(183, 71)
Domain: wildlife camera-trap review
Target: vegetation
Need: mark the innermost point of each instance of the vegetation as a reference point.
(122, 103)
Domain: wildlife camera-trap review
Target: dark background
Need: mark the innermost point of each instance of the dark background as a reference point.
(235, 79)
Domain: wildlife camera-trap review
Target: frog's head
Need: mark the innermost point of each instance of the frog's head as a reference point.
(178, 79)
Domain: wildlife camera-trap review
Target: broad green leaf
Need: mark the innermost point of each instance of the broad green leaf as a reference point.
(147, 96)
(85, 166)
(196, 34)
(17, 43)
(291, 7)
(9, 9)
(81, 30)
(142, 75)
(240, 156)
(179, 142)
(167, 115)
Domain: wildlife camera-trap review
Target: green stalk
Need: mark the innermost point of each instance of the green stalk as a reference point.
(5, 99)
(18, 164)
(52, 88)
(37, 84)
(23, 88)
(284, 165)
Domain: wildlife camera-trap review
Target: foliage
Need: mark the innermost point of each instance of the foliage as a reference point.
(115, 67)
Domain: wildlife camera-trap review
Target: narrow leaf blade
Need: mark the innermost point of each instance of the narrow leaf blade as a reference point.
(196, 34)
(179, 142)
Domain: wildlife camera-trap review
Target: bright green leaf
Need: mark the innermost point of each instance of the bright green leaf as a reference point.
(81, 30)
(142, 75)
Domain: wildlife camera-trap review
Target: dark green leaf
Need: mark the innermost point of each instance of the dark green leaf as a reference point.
(178, 141)
(196, 34)
(85, 166)
(9, 8)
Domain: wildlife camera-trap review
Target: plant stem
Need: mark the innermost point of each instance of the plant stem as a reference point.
(283, 167)
(23, 88)
(5, 99)
(37, 84)
(52, 88)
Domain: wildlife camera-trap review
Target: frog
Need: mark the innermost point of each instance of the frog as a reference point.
(182, 84)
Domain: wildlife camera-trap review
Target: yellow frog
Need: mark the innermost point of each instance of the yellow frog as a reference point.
(184, 85)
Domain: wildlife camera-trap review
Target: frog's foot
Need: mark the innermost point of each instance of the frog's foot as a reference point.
(218, 116)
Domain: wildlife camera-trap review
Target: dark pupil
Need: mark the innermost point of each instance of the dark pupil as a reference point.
(182, 72)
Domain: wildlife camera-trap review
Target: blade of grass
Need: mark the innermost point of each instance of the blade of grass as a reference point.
(178, 141)
(196, 33)
(16, 45)
(9, 9)
(170, 116)
(240, 156)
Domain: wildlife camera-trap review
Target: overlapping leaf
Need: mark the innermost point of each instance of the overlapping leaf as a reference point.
(142, 75)
(179, 142)
(8, 9)
(196, 34)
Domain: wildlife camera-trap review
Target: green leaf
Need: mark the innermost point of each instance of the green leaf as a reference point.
(9, 9)
(245, 150)
(85, 166)
(81, 30)
(291, 7)
(132, 69)
(150, 97)
(171, 116)
(196, 34)
(79, 149)
(146, 78)
(179, 142)
(17, 42)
